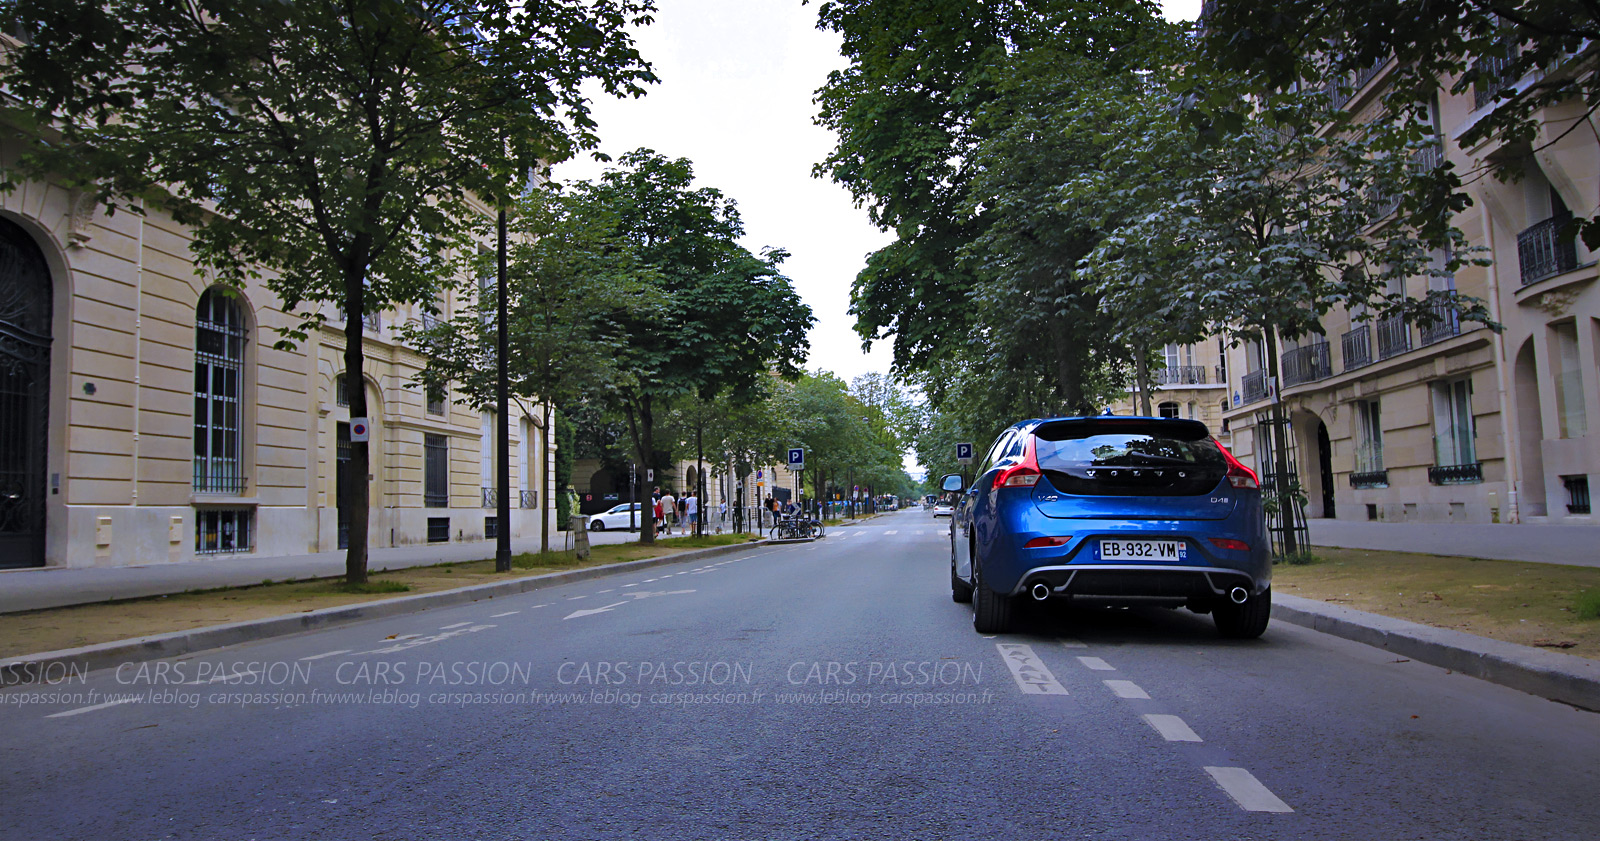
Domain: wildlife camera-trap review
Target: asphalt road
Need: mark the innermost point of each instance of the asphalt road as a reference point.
(824, 690)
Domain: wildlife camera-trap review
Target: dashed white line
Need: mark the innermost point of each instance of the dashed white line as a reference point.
(1246, 790)
(1171, 728)
(1096, 664)
(1072, 643)
(892, 531)
(1127, 689)
(920, 532)
(90, 709)
(327, 654)
(457, 625)
(606, 590)
(634, 584)
(507, 613)
(1033, 677)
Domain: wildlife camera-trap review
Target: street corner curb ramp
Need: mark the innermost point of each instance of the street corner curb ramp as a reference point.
(1548, 674)
(31, 668)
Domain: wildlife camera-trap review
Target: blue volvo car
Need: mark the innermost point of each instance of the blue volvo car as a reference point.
(1111, 510)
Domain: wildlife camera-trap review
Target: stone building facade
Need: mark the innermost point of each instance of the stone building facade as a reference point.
(145, 416)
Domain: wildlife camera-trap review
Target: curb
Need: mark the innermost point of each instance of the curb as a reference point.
(1548, 674)
(31, 668)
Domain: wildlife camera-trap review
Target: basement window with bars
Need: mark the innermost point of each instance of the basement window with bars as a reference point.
(220, 530)
(1577, 493)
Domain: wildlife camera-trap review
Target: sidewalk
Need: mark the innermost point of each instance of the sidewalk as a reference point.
(1570, 545)
(33, 589)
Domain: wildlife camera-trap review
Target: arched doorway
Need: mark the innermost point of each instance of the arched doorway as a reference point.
(25, 302)
(1325, 467)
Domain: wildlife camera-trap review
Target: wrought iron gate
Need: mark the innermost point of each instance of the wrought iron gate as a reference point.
(25, 291)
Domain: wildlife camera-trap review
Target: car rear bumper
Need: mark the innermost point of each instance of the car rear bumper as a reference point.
(1139, 583)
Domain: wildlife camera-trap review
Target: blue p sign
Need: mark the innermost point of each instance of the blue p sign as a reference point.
(964, 453)
(797, 458)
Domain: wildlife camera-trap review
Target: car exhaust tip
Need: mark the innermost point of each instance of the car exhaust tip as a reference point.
(1238, 595)
(1040, 592)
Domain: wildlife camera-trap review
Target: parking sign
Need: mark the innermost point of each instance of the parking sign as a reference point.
(797, 458)
(964, 453)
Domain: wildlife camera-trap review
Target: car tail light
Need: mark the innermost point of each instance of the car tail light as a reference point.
(1230, 544)
(1023, 474)
(1239, 476)
(1046, 542)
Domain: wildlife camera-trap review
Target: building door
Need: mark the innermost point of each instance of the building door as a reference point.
(1325, 465)
(25, 296)
(341, 478)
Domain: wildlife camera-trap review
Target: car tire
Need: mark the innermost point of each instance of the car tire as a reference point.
(960, 591)
(596, 525)
(991, 611)
(1244, 621)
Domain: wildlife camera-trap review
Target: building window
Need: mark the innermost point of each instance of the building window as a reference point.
(1369, 471)
(341, 392)
(438, 529)
(1569, 382)
(435, 397)
(491, 528)
(1577, 493)
(1454, 434)
(1167, 410)
(223, 530)
(436, 473)
(218, 394)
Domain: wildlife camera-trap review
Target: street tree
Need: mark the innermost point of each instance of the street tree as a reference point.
(1268, 227)
(344, 153)
(728, 319)
(571, 281)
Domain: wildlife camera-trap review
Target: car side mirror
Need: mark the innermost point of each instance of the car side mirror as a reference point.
(952, 483)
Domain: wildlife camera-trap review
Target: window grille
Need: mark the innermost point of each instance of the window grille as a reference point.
(218, 394)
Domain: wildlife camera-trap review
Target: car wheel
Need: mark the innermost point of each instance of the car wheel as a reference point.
(596, 525)
(991, 611)
(1244, 621)
(960, 591)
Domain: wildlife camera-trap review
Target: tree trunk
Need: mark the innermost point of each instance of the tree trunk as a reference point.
(641, 423)
(1141, 368)
(355, 494)
(1069, 376)
(1280, 450)
(700, 482)
(544, 463)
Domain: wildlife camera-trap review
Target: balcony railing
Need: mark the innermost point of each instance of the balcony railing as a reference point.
(491, 497)
(1180, 375)
(1447, 326)
(1394, 337)
(1544, 251)
(1356, 347)
(1370, 479)
(1456, 474)
(218, 476)
(1255, 386)
(1306, 364)
(1497, 76)
(430, 321)
(530, 499)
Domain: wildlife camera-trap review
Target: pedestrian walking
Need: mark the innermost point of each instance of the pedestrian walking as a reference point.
(691, 513)
(669, 511)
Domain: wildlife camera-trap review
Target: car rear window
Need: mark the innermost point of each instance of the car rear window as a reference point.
(1125, 444)
(1129, 457)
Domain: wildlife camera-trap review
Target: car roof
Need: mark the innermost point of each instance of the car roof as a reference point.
(1034, 423)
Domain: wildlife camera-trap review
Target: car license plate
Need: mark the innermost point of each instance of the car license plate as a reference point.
(1143, 550)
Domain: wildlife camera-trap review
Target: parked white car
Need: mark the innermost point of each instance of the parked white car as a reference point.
(615, 518)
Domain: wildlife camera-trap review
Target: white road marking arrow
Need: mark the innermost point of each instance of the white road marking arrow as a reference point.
(576, 613)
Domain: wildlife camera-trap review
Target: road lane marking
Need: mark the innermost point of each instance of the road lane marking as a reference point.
(452, 627)
(1096, 664)
(606, 590)
(592, 611)
(507, 613)
(1171, 728)
(334, 653)
(1033, 677)
(892, 531)
(1127, 689)
(920, 532)
(1246, 790)
(634, 584)
(90, 709)
(1072, 643)
(859, 533)
(412, 640)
